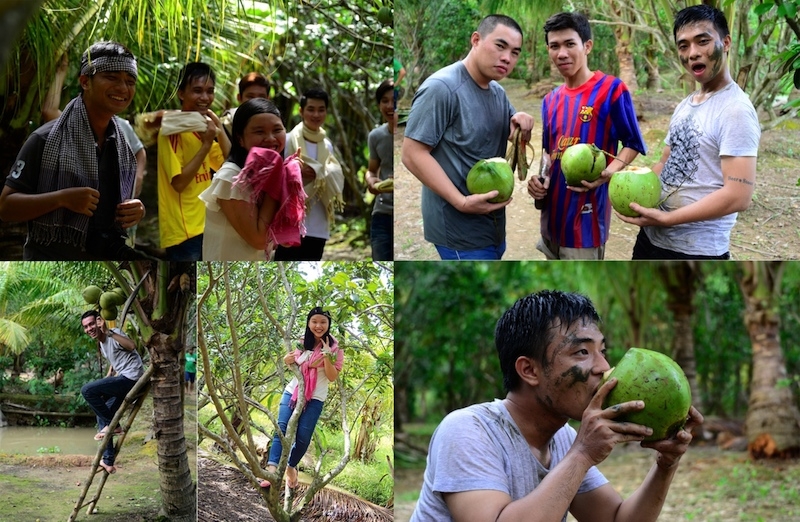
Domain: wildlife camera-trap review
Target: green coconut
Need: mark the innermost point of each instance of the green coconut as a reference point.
(657, 380)
(582, 162)
(91, 294)
(121, 295)
(385, 16)
(110, 313)
(109, 299)
(634, 185)
(491, 174)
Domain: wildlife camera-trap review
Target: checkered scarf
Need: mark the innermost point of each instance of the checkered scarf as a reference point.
(70, 160)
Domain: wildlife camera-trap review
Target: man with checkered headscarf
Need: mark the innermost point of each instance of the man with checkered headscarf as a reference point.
(73, 179)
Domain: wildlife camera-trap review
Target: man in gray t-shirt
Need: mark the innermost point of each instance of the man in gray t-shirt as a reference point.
(708, 168)
(518, 456)
(105, 396)
(461, 115)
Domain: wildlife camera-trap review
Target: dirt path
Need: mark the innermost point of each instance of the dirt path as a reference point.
(767, 230)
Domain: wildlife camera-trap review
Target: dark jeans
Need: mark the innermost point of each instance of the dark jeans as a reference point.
(382, 232)
(105, 397)
(644, 249)
(189, 250)
(305, 429)
(310, 249)
(491, 253)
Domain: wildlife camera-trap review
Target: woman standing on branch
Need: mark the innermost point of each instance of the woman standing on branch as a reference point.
(320, 362)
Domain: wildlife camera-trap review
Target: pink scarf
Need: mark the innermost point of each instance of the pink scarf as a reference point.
(266, 172)
(309, 370)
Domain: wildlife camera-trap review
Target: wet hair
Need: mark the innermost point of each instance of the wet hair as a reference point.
(90, 313)
(314, 94)
(383, 88)
(194, 70)
(308, 339)
(242, 115)
(526, 329)
(253, 78)
(105, 48)
(489, 23)
(701, 13)
(575, 21)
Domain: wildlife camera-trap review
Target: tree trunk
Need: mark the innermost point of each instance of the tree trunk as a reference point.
(681, 280)
(624, 37)
(772, 422)
(651, 64)
(177, 488)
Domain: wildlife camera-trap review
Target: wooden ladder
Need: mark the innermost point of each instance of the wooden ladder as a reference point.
(133, 401)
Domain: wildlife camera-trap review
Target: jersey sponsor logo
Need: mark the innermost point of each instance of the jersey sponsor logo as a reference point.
(563, 143)
(16, 170)
(585, 113)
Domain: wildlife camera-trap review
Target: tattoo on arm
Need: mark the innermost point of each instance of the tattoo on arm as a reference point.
(741, 180)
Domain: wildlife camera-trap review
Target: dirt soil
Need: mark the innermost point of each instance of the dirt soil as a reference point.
(45, 488)
(226, 495)
(698, 491)
(767, 230)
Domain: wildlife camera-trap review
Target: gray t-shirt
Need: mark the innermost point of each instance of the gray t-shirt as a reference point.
(125, 363)
(481, 447)
(463, 123)
(725, 124)
(381, 148)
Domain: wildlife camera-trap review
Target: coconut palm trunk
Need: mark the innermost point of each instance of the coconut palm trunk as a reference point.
(681, 280)
(772, 422)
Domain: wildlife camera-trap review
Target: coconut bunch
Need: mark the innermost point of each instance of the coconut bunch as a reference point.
(107, 301)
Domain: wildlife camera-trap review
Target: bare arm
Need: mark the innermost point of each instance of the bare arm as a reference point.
(124, 341)
(141, 162)
(739, 176)
(416, 156)
(18, 206)
(372, 177)
(240, 215)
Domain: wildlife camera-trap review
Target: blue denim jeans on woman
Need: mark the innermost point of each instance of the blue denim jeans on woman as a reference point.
(105, 397)
(305, 429)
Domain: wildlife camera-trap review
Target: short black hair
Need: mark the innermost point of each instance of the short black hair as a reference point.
(90, 313)
(383, 88)
(194, 70)
(242, 115)
(253, 78)
(488, 24)
(104, 48)
(701, 13)
(314, 94)
(575, 21)
(526, 329)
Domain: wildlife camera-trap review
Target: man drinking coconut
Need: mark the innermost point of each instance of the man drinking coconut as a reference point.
(517, 458)
(461, 115)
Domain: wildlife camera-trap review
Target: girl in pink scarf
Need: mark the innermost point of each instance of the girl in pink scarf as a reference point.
(320, 362)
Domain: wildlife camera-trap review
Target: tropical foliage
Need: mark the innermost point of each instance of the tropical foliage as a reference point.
(633, 40)
(250, 316)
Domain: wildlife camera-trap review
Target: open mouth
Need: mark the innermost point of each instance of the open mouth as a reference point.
(698, 69)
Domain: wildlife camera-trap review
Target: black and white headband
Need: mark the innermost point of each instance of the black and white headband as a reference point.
(111, 63)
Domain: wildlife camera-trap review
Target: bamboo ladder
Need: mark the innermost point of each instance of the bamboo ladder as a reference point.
(133, 401)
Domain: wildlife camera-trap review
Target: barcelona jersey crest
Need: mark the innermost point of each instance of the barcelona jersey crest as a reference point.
(586, 113)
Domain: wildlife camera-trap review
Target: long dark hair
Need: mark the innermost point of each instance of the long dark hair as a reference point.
(308, 339)
(242, 115)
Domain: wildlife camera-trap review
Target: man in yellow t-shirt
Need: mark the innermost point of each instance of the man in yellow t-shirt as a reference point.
(186, 163)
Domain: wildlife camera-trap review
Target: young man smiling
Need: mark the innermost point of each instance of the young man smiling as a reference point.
(517, 459)
(74, 178)
(186, 162)
(590, 107)
(708, 168)
(461, 115)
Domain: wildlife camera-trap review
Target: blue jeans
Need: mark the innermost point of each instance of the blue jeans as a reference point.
(490, 253)
(305, 429)
(189, 250)
(382, 232)
(105, 397)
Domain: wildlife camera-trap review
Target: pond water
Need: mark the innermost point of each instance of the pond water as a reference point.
(26, 440)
